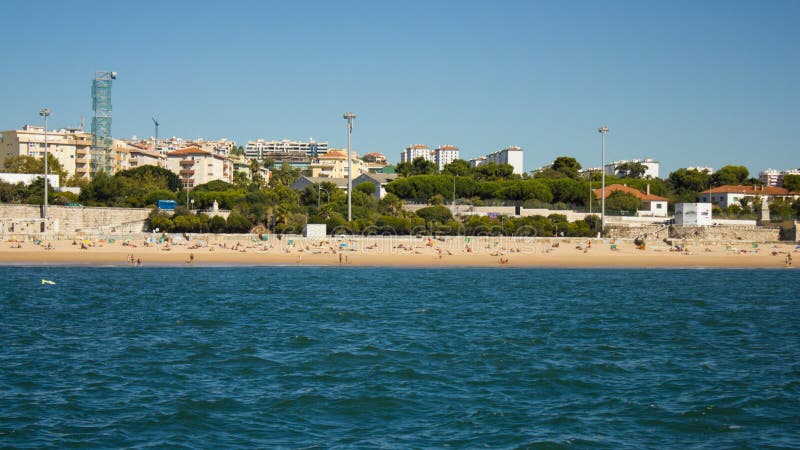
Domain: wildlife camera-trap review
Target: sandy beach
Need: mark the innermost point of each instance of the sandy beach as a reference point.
(399, 251)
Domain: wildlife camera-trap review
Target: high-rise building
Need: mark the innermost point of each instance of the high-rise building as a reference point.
(414, 151)
(444, 155)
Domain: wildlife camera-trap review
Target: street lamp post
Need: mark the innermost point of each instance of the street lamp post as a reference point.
(319, 194)
(45, 113)
(349, 117)
(603, 130)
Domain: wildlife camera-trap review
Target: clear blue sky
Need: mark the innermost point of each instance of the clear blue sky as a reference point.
(685, 82)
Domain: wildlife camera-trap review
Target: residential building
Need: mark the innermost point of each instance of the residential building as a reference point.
(334, 165)
(379, 180)
(285, 150)
(444, 155)
(475, 162)
(727, 195)
(772, 177)
(652, 205)
(512, 156)
(139, 155)
(651, 167)
(415, 151)
(70, 146)
(375, 158)
(195, 166)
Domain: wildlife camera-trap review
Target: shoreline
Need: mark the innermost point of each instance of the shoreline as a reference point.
(406, 252)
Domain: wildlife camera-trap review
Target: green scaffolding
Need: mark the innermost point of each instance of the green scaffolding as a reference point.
(102, 150)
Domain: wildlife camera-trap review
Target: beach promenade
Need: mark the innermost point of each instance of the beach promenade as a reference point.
(405, 251)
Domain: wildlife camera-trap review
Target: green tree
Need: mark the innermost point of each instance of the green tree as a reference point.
(366, 187)
(623, 202)
(458, 167)
(730, 175)
(439, 214)
(633, 169)
(792, 182)
(421, 166)
(567, 165)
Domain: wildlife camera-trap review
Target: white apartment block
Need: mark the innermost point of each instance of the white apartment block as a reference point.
(71, 147)
(195, 166)
(650, 165)
(511, 155)
(772, 177)
(444, 155)
(261, 149)
(414, 151)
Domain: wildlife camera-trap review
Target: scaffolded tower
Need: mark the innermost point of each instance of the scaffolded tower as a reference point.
(102, 157)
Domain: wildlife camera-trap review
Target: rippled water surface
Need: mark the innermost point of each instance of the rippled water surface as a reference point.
(421, 358)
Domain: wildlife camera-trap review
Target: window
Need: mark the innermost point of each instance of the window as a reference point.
(658, 205)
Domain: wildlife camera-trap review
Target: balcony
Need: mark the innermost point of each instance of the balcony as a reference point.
(187, 162)
(82, 161)
(187, 172)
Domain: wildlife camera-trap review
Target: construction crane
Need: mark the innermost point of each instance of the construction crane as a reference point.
(155, 122)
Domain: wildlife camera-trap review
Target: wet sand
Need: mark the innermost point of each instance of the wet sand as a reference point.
(404, 252)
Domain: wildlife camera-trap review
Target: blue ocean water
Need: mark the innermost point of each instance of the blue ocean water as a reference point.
(309, 357)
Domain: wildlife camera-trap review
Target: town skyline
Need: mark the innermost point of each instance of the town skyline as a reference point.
(708, 85)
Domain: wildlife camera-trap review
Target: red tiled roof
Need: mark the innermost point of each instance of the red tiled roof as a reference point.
(635, 192)
(334, 154)
(750, 190)
(189, 151)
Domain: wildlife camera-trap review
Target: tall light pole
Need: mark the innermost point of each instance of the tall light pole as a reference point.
(45, 113)
(349, 117)
(603, 130)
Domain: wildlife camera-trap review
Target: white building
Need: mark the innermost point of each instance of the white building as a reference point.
(261, 149)
(772, 177)
(702, 169)
(692, 214)
(444, 155)
(651, 167)
(414, 151)
(195, 166)
(28, 178)
(512, 156)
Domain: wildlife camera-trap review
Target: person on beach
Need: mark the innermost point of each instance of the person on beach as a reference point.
(191, 259)
(139, 262)
(788, 260)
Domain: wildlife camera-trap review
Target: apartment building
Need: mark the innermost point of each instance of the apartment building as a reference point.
(512, 156)
(444, 155)
(285, 150)
(414, 151)
(196, 166)
(334, 165)
(772, 177)
(70, 146)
